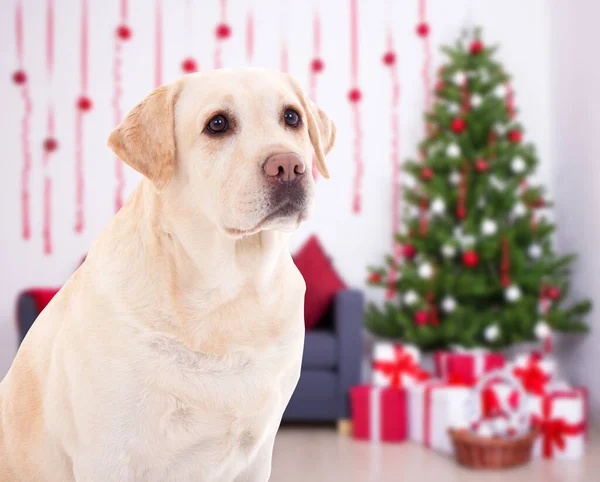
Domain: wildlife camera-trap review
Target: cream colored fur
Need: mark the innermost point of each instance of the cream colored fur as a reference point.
(172, 352)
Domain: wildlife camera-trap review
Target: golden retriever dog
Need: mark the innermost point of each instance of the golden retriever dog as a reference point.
(172, 352)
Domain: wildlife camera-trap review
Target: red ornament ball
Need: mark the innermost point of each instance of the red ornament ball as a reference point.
(481, 165)
(439, 86)
(409, 251)
(515, 136)
(476, 47)
(189, 65)
(427, 173)
(461, 212)
(50, 144)
(538, 203)
(317, 65)
(375, 278)
(470, 259)
(553, 293)
(458, 125)
(423, 29)
(19, 77)
(389, 58)
(355, 95)
(223, 31)
(421, 317)
(84, 103)
(124, 32)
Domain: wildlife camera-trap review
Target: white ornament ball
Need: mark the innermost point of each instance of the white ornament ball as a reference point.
(454, 178)
(438, 206)
(534, 251)
(500, 128)
(410, 297)
(409, 182)
(496, 183)
(485, 430)
(500, 426)
(518, 165)
(492, 333)
(489, 227)
(453, 151)
(519, 210)
(467, 241)
(453, 108)
(448, 304)
(413, 212)
(482, 202)
(484, 75)
(448, 251)
(476, 100)
(500, 91)
(513, 293)
(542, 330)
(459, 78)
(425, 271)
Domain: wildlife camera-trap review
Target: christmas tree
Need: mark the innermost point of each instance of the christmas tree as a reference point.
(474, 264)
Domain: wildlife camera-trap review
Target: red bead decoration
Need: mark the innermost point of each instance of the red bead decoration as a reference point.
(476, 47)
(50, 144)
(538, 203)
(84, 103)
(19, 77)
(421, 317)
(355, 95)
(223, 31)
(481, 165)
(458, 125)
(439, 86)
(317, 65)
(409, 251)
(470, 259)
(515, 136)
(189, 65)
(423, 29)
(375, 278)
(124, 32)
(389, 58)
(427, 173)
(553, 293)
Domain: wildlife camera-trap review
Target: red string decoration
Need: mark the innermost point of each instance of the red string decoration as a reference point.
(433, 316)
(283, 54)
(533, 218)
(390, 61)
(354, 96)
(316, 67)
(250, 36)
(465, 98)
(20, 79)
(510, 101)
(158, 45)
(461, 209)
(189, 64)
(84, 104)
(50, 143)
(423, 31)
(492, 143)
(423, 225)
(222, 33)
(505, 263)
(122, 34)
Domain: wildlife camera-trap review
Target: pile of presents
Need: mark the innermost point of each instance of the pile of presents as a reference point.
(471, 390)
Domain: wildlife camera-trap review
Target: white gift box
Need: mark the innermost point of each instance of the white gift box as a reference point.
(434, 407)
(396, 365)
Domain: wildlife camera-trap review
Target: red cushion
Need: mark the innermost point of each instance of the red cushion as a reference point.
(322, 282)
(42, 296)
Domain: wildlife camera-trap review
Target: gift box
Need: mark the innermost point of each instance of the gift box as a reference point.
(379, 414)
(434, 407)
(396, 365)
(468, 365)
(535, 372)
(561, 418)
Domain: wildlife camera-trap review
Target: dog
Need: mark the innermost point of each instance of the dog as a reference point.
(172, 352)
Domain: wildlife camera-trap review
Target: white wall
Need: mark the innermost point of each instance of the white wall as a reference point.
(522, 28)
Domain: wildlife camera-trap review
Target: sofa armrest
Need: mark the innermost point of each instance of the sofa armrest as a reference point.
(348, 320)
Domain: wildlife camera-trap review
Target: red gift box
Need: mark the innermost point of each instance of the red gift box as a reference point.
(379, 414)
(468, 365)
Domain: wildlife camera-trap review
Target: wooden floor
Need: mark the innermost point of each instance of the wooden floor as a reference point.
(317, 454)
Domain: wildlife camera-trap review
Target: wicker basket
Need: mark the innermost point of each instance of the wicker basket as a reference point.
(480, 452)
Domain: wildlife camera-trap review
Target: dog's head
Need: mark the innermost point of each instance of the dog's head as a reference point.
(236, 145)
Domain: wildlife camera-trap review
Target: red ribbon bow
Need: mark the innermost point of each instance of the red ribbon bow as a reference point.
(533, 378)
(490, 404)
(554, 430)
(403, 364)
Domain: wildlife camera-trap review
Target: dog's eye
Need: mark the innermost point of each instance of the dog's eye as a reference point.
(217, 125)
(291, 117)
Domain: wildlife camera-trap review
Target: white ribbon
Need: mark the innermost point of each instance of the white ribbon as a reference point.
(375, 414)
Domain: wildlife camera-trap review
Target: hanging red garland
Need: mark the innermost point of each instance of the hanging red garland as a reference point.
(158, 44)
(423, 31)
(283, 53)
(533, 218)
(390, 61)
(505, 263)
(316, 67)
(492, 143)
(250, 36)
(354, 96)
(461, 209)
(222, 33)
(84, 104)
(510, 101)
(20, 79)
(189, 64)
(50, 144)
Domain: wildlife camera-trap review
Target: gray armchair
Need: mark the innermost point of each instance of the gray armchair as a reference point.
(331, 364)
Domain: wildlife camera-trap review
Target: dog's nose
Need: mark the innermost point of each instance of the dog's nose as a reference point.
(287, 167)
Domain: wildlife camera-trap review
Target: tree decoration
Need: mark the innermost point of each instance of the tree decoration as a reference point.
(510, 101)
(409, 251)
(316, 67)
(250, 35)
(354, 96)
(222, 33)
(453, 151)
(476, 47)
(517, 165)
(158, 47)
(20, 79)
(513, 293)
(283, 51)
(438, 206)
(481, 165)
(423, 29)
(448, 251)
(519, 210)
(425, 270)
(489, 227)
(534, 251)
(476, 100)
(505, 263)
(458, 125)
(449, 304)
(427, 174)
(500, 91)
(515, 136)
(492, 333)
(423, 32)
(411, 298)
(461, 209)
(470, 259)
(421, 317)
(375, 278)
(189, 64)
(122, 34)
(454, 178)
(459, 78)
(553, 293)
(83, 105)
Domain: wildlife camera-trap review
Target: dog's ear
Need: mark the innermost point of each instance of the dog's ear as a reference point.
(145, 139)
(321, 128)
